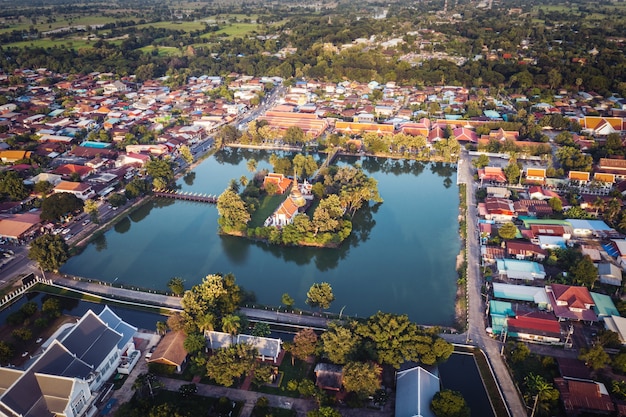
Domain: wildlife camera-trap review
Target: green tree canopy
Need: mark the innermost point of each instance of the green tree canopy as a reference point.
(596, 357)
(58, 205)
(176, 285)
(448, 403)
(161, 172)
(396, 339)
(304, 344)
(50, 251)
(228, 364)
(320, 295)
(233, 213)
(507, 231)
(12, 186)
(481, 162)
(362, 378)
(584, 272)
(339, 343)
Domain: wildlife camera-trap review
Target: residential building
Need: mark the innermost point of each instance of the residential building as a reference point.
(535, 327)
(520, 270)
(571, 302)
(328, 376)
(170, 351)
(584, 396)
(415, 389)
(268, 349)
(609, 273)
(81, 190)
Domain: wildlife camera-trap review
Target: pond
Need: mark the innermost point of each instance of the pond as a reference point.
(401, 257)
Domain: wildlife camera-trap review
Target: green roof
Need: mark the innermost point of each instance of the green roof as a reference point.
(604, 305)
(531, 220)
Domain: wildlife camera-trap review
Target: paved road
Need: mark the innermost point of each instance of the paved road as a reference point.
(476, 324)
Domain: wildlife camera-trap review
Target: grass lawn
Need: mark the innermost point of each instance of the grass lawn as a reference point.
(175, 25)
(49, 43)
(299, 371)
(268, 205)
(163, 50)
(233, 30)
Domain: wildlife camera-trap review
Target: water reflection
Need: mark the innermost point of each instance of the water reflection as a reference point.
(189, 178)
(100, 242)
(122, 226)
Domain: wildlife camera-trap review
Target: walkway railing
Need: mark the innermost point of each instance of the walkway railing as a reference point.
(186, 196)
(15, 294)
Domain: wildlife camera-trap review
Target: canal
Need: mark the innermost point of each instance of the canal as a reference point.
(400, 258)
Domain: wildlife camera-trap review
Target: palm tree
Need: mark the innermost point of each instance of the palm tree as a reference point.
(541, 391)
(251, 165)
(206, 322)
(231, 324)
(599, 204)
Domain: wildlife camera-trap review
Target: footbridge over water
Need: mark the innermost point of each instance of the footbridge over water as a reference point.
(186, 196)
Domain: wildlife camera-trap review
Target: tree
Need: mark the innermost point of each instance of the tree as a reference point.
(176, 285)
(287, 300)
(481, 162)
(339, 343)
(595, 357)
(320, 295)
(512, 172)
(540, 392)
(263, 375)
(6, 352)
(228, 364)
(161, 172)
(324, 412)
(58, 205)
(43, 188)
(304, 344)
(12, 186)
(327, 214)
(194, 342)
(51, 307)
(448, 403)
(294, 135)
(233, 213)
(584, 272)
(231, 324)
(186, 154)
(362, 378)
(556, 204)
(216, 294)
(396, 340)
(50, 251)
(507, 231)
(261, 330)
(91, 208)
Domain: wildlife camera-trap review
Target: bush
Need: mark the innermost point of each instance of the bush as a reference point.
(15, 319)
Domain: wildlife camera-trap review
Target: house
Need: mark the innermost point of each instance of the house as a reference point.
(604, 306)
(68, 170)
(579, 177)
(491, 174)
(498, 209)
(11, 156)
(539, 193)
(519, 269)
(56, 384)
(51, 178)
(571, 302)
(268, 349)
(536, 175)
(613, 166)
(525, 250)
(328, 376)
(584, 396)
(535, 327)
(282, 183)
(588, 228)
(533, 208)
(617, 324)
(609, 273)
(524, 293)
(19, 226)
(79, 189)
(171, 351)
(415, 389)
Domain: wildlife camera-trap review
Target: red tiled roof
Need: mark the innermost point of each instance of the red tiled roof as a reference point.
(535, 325)
(583, 395)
